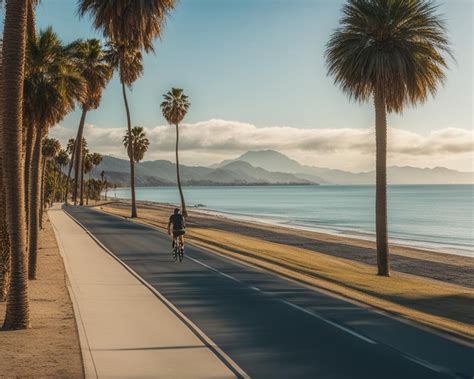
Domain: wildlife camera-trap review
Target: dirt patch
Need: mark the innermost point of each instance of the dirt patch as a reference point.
(51, 347)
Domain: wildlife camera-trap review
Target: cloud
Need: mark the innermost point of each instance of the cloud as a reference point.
(210, 141)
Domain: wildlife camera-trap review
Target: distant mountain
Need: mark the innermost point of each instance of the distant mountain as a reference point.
(272, 161)
(163, 173)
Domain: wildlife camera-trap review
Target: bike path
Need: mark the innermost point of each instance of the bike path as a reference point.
(116, 317)
(272, 327)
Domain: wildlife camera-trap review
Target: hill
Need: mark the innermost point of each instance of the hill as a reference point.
(163, 173)
(271, 161)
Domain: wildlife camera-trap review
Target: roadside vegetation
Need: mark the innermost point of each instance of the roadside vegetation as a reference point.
(43, 80)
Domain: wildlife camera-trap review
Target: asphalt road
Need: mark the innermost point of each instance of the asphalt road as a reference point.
(275, 328)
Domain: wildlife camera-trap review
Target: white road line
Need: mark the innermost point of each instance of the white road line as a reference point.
(214, 269)
(228, 276)
(423, 363)
(329, 322)
(291, 305)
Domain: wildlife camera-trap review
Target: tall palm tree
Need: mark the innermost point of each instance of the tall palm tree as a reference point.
(140, 143)
(90, 59)
(92, 161)
(50, 150)
(71, 150)
(11, 140)
(174, 108)
(52, 86)
(128, 61)
(394, 52)
(132, 26)
(85, 152)
(136, 22)
(61, 161)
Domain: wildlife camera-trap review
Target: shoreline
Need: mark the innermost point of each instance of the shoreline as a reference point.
(442, 266)
(432, 288)
(331, 231)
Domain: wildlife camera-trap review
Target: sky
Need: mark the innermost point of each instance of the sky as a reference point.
(255, 74)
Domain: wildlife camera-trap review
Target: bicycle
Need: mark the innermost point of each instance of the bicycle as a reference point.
(178, 250)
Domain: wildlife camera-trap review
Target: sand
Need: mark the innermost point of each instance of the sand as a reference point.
(51, 347)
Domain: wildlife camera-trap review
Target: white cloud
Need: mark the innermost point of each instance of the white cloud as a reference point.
(351, 149)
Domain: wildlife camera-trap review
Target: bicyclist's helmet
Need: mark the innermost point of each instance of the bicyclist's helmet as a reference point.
(176, 211)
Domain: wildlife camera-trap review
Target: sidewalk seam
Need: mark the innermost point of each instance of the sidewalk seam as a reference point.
(220, 354)
(89, 367)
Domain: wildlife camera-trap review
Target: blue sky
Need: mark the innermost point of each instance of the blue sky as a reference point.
(261, 62)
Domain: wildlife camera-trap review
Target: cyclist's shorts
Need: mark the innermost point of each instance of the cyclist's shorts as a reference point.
(177, 233)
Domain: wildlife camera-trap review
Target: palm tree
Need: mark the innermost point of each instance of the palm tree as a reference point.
(174, 108)
(90, 60)
(11, 140)
(61, 160)
(50, 150)
(391, 51)
(136, 22)
(139, 141)
(128, 61)
(52, 86)
(71, 150)
(92, 160)
(85, 151)
(131, 26)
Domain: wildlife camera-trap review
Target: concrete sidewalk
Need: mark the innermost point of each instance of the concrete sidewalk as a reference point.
(126, 331)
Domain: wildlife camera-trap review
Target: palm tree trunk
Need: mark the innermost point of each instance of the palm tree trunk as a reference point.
(130, 154)
(82, 184)
(17, 312)
(381, 185)
(183, 204)
(31, 22)
(88, 189)
(35, 205)
(4, 242)
(4, 238)
(78, 156)
(30, 140)
(44, 161)
(71, 163)
(57, 183)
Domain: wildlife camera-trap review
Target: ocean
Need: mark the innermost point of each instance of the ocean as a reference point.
(434, 217)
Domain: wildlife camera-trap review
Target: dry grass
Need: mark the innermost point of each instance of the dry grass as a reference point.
(51, 347)
(444, 306)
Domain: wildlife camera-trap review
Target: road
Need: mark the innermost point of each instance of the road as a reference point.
(273, 327)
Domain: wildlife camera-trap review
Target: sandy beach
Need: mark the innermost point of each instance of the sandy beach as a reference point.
(50, 349)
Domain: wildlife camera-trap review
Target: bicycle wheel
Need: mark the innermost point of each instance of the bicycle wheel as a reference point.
(181, 252)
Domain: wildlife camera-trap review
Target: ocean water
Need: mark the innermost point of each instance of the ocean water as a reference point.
(435, 217)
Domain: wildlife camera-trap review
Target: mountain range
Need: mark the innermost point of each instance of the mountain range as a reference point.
(163, 173)
(272, 160)
(268, 167)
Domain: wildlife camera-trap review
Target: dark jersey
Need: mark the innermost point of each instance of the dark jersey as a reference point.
(178, 221)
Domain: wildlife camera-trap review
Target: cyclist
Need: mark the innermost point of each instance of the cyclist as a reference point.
(179, 227)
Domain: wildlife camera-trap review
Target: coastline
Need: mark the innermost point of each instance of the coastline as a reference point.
(446, 267)
(421, 245)
(432, 288)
